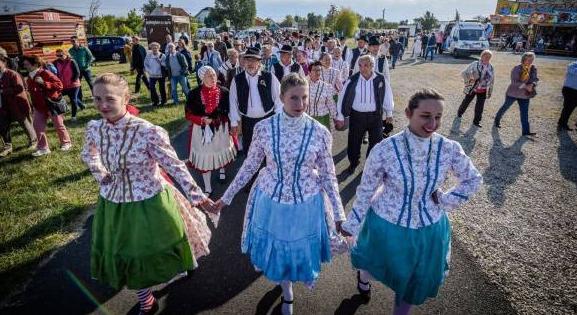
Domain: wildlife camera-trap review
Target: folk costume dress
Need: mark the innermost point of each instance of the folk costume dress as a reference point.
(291, 209)
(404, 238)
(333, 77)
(211, 147)
(322, 106)
(145, 232)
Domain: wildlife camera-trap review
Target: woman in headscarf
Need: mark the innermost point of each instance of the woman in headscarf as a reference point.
(211, 145)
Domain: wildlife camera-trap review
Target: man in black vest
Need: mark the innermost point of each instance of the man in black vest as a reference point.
(355, 53)
(286, 64)
(381, 65)
(365, 99)
(254, 96)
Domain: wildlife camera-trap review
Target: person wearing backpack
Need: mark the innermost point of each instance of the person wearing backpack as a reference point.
(156, 71)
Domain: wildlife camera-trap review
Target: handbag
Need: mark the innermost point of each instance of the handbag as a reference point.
(57, 107)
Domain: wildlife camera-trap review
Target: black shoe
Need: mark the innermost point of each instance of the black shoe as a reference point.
(283, 301)
(352, 168)
(530, 134)
(564, 128)
(365, 294)
(365, 139)
(478, 125)
(497, 125)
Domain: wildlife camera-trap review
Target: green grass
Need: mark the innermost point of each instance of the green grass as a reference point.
(42, 200)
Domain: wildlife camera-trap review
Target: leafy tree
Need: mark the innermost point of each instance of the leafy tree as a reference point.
(212, 19)
(346, 22)
(367, 22)
(125, 30)
(331, 16)
(193, 26)
(148, 7)
(288, 21)
(428, 21)
(100, 27)
(241, 13)
(134, 21)
(314, 21)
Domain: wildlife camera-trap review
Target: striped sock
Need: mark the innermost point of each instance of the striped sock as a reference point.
(146, 299)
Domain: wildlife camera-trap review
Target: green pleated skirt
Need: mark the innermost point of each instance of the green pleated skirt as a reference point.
(139, 244)
(324, 120)
(412, 262)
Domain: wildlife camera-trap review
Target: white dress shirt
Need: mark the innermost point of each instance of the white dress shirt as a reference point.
(287, 69)
(349, 57)
(254, 108)
(365, 97)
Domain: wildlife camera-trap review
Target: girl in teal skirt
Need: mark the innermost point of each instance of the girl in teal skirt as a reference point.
(399, 218)
(145, 232)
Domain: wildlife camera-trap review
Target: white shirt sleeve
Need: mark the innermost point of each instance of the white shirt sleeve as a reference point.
(386, 71)
(340, 116)
(233, 115)
(356, 68)
(275, 90)
(388, 102)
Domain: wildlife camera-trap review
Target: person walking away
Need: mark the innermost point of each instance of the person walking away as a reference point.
(521, 89)
(294, 209)
(14, 106)
(84, 58)
(153, 67)
(395, 50)
(144, 231)
(45, 87)
(417, 48)
(211, 57)
(479, 77)
(69, 74)
(439, 41)
(569, 97)
(431, 46)
(137, 65)
(211, 145)
(177, 72)
(399, 216)
(424, 42)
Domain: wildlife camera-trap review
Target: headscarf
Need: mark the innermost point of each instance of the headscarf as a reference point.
(525, 72)
(202, 71)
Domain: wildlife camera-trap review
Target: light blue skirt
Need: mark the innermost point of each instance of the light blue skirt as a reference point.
(412, 262)
(288, 241)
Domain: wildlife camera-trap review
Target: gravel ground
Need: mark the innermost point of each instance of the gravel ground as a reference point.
(521, 225)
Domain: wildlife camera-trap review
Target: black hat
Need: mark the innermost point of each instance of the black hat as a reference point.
(252, 52)
(363, 38)
(286, 49)
(374, 40)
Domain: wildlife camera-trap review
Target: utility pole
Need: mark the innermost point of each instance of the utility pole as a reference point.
(384, 15)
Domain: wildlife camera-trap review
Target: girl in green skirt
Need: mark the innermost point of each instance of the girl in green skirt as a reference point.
(400, 215)
(145, 232)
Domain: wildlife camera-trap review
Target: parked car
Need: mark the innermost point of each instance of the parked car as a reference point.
(107, 47)
(466, 38)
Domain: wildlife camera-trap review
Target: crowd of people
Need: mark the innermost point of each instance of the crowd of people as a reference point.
(275, 98)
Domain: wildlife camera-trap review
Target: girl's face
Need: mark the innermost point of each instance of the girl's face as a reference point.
(296, 100)
(326, 61)
(110, 101)
(426, 118)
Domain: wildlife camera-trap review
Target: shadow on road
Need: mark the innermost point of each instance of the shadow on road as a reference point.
(567, 153)
(350, 306)
(467, 139)
(504, 167)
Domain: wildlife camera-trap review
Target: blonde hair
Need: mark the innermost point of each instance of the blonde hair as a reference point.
(486, 52)
(526, 55)
(113, 79)
(368, 58)
(154, 44)
(292, 80)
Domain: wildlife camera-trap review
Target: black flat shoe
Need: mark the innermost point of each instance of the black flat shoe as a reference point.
(283, 301)
(564, 128)
(365, 294)
(478, 125)
(530, 134)
(497, 125)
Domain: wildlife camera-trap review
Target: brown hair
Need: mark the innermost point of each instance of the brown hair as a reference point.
(421, 95)
(33, 60)
(113, 79)
(315, 64)
(292, 80)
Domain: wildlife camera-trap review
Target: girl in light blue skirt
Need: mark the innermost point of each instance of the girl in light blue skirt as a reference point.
(399, 216)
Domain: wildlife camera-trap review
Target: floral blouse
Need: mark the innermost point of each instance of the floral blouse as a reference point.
(403, 171)
(321, 100)
(129, 152)
(343, 67)
(299, 162)
(333, 77)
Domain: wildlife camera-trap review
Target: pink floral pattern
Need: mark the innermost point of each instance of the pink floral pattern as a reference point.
(321, 100)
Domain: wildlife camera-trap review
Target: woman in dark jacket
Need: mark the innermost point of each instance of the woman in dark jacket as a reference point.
(211, 145)
(14, 106)
(522, 89)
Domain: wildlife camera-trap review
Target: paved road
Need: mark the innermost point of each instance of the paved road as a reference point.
(226, 283)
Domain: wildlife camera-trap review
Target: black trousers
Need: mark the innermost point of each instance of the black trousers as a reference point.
(479, 105)
(359, 124)
(154, 93)
(569, 104)
(140, 75)
(248, 128)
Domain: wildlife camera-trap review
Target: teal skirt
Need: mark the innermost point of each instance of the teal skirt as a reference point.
(412, 262)
(288, 241)
(139, 244)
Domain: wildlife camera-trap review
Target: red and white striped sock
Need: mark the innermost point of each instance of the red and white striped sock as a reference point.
(146, 299)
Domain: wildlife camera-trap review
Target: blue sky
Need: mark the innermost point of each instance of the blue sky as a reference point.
(395, 10)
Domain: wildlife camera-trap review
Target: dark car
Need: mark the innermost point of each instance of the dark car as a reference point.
(107, 47)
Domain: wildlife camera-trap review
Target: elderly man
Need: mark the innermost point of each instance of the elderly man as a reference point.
(211, 57)
(268, 58)
(230, 68)
(355, 53)
(138, 56)
(365, 98)
(254, 96)
(381, 62)
(286, 64)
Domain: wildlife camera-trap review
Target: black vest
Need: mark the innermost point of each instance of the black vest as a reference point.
(356, 55)
(264, 91)
(345, 52)
(279, 70)
(350, 92)
(381, 64)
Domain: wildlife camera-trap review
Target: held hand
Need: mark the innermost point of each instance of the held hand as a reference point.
(339, 226)
(219, 205)
(529, 87)
(39, 80)
(339, 124)
(389, 120)
(208, 205)
(234, 130)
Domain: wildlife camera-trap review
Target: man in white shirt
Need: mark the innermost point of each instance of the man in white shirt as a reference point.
(254, 96)
(286, 64)
(365, 100)
(355, 53)
(381, 62)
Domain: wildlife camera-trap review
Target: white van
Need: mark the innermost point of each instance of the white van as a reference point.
(466, 38)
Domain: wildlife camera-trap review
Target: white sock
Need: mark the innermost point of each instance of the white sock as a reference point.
(206, 179)
(365, 277)
(287, 293)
